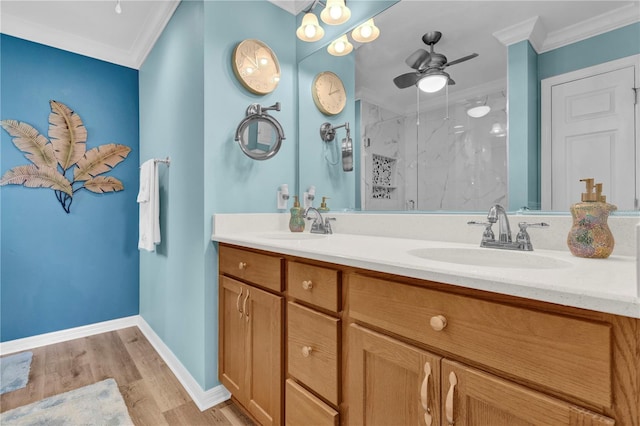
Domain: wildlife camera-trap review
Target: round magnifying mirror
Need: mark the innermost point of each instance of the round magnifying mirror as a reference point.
(259, 137)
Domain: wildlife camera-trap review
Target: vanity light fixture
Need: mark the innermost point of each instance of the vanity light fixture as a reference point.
(340, 47)
(479, 108)
(118, 7)
(433, 81)
(366, 32)
(310, 29)
(335, 12)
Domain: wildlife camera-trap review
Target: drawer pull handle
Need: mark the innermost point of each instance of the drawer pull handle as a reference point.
(244, 305)
(453, 381)
(242, 265)
(307, 285)
(438, 323)
(306, 351)
(238, 302)
(424, 394)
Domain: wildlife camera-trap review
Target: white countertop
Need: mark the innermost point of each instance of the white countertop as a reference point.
(605, 285)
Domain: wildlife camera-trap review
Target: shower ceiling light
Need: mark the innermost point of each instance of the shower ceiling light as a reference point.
(479, 108)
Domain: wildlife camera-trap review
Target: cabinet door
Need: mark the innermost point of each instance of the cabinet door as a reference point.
(263, 383)
(474, 398)
(390, 382)
(231, 356)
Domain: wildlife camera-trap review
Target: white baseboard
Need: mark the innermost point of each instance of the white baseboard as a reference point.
(32, 342)
(203, 399)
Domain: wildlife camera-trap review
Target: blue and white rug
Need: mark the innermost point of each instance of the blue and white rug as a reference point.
(96, 404)
(14, 371)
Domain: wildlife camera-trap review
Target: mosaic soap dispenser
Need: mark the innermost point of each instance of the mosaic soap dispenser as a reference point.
(296, 221)
(590, 235)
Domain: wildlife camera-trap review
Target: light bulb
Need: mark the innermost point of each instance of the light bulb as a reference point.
(118, 8)
(249, 70)
(432, 83)
(339, 46)
(309, 31)
(335, 12)
(264, 61)
(366, 31)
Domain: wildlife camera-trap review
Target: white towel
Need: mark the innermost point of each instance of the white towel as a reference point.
(148, 198)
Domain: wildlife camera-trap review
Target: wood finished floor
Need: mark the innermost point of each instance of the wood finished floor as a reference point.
(152, 393)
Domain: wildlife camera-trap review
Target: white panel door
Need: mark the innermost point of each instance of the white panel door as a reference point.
(592, 134)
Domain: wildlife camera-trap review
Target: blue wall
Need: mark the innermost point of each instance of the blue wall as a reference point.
(64, 270)
(317, 157)
(191, 104)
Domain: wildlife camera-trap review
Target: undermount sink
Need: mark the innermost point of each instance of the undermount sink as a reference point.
(293, 236)
(494, 258)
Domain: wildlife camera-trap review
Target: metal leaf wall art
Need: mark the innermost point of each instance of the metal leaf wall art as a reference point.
(64, 155)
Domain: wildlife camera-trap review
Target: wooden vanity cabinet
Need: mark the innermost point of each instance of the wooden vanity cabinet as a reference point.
(313, 391)
(250, 332)
(569, 356)
(303, 342)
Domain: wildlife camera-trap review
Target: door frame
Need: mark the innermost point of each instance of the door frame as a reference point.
(545, 119)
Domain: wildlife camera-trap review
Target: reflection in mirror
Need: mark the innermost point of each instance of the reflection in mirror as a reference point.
(259, 134)
(424, 151)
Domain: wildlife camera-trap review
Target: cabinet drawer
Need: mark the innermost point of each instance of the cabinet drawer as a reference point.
(565, 354)
(313, 284)
(260, 269)
(302, 408)
(312, 348)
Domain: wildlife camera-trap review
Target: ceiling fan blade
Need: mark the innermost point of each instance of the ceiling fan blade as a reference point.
(457, 61)
(406, 80)
(418, 59)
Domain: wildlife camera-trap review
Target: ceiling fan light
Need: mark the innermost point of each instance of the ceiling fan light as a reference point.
(340, 46)
(478, 111)
(310, 29)
(432, 83)
(335, 12)
(366, 32)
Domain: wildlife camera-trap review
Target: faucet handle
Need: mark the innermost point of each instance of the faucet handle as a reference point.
(327, 224)
(488, 234)
(523, 236)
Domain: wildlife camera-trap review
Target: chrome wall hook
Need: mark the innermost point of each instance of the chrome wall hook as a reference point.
(328, 134)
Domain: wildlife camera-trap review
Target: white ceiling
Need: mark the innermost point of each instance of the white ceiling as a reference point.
(92, 28)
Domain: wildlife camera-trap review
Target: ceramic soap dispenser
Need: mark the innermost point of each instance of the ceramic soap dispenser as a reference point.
(296, 222)
(590, 235)
(323, 205)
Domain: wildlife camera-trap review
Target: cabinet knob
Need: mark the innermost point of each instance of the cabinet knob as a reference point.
(306, 351)
(438, 323)
(242, 265)
(307, 285)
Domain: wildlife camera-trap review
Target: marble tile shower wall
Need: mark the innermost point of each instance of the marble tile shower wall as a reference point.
(456, 163)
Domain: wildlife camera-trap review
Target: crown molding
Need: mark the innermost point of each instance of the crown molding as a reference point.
(533, 30)
(132, 58)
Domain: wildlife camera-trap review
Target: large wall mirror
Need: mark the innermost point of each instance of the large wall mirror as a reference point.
(432, 151)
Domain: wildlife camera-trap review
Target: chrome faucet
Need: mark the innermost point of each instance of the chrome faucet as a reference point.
(319, 226)
(498, 214)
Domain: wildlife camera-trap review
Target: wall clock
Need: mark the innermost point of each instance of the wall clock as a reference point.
(329, 93)
(256, 66)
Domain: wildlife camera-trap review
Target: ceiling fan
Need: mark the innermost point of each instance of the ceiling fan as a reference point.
(429, 74)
